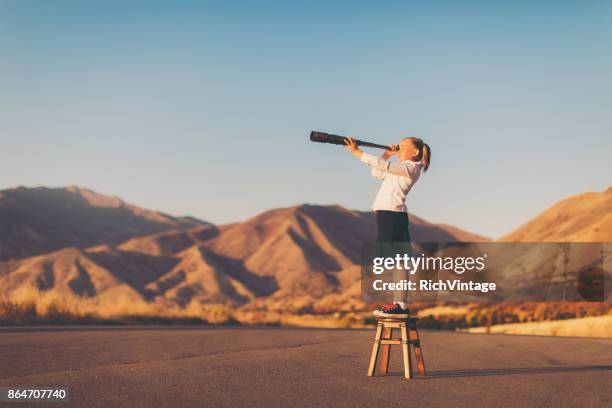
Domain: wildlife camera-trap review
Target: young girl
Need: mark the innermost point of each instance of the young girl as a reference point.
(413, 155)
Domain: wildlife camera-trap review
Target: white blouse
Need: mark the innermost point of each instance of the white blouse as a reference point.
(398, 178)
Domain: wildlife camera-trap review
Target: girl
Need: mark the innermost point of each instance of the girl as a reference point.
(413, 155)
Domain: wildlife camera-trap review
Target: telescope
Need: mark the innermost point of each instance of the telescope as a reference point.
(321, 137)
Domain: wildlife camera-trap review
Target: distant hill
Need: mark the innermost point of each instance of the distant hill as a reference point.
(38, 220)
(584, 217)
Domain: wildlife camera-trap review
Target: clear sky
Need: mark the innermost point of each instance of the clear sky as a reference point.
(204, 108)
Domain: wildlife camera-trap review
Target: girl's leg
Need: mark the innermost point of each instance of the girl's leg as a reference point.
(401, 234)
(393, 228)
(385, 222)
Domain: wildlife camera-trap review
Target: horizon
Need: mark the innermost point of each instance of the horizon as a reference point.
(205, 109)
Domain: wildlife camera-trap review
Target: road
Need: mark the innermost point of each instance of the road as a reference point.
(268, 367)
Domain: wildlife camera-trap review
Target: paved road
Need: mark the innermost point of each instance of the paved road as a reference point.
(191, 367)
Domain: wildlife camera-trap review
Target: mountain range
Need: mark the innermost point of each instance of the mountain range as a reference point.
(73, 241)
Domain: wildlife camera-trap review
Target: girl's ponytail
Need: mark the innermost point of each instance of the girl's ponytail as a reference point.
(425, 156)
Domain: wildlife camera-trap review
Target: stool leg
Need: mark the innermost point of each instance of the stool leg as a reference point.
(375, 350)
(386, 350)
(418, 353)
(406, 350)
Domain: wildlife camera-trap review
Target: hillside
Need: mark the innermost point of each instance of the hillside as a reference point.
(584, 217)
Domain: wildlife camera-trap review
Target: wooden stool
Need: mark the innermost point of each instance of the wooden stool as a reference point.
(409, 336)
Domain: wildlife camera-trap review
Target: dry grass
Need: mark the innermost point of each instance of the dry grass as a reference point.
(29, 306)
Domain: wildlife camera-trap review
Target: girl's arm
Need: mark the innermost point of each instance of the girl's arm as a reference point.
(377, 173)
(351, 146)
(380, 165)
(404, 168)
(385, 156)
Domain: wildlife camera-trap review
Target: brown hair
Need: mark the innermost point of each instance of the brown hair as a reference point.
(424, 155)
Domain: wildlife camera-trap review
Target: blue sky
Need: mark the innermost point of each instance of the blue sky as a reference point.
(204, 108)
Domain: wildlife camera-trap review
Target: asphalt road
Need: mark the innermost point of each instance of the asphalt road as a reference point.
(194, 367)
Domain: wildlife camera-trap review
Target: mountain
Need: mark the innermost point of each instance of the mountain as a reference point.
(584, 217)
(39, 220)
(427, 232)
(305, 247)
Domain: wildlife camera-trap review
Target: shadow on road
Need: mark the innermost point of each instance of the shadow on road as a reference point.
(485, 372)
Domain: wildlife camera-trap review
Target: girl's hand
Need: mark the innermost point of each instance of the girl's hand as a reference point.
(351, 146)
(391, 152)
